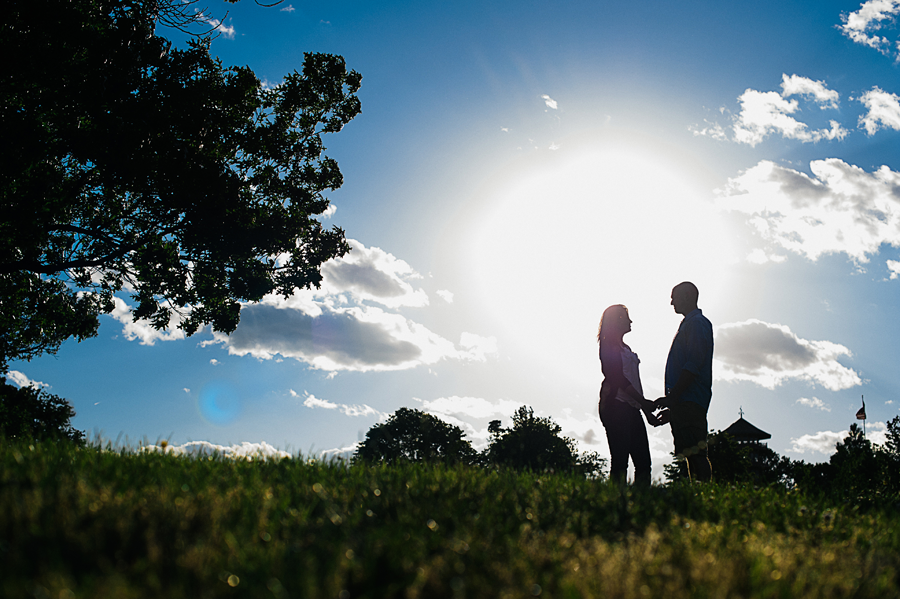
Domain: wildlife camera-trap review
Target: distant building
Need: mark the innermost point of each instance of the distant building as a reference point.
(745, 433)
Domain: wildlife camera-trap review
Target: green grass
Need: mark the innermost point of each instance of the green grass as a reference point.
(100, 523)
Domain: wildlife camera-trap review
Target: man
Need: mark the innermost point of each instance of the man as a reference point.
(689, 382)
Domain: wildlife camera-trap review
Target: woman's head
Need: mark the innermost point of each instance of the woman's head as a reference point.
(615, 321)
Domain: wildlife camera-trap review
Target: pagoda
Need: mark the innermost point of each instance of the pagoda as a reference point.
(745, 433)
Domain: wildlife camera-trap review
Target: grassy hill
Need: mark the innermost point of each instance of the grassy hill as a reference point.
(102, 523)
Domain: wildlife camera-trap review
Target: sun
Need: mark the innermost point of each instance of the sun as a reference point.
(601, 224)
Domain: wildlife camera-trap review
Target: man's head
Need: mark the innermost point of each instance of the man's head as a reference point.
(684, 298)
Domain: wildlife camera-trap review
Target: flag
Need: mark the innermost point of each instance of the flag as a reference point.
(861, 414)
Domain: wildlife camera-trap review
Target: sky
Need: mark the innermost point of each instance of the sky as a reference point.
(518, 167)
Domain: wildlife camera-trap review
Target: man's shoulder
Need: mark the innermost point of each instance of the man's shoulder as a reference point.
(697, 319)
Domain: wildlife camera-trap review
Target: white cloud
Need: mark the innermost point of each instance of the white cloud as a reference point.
(214, 362)
(445, 295)
(840, 208)
(814, 90)
(821, 442)
(759, 256)
(246, 450)
(825, 441)
(329, 212)
(338, 338)
(813, 402)
(884, 111)
(142, 330)
(894, 267)
(471, 414)
(371, 274)
(21, 380)
(713, 130)
(550, 102)
(340, 453)
(860, 26)
(476, 347)
(764, 113)
(314, 402)
(770, 354)
(876, 432)
(288, 8)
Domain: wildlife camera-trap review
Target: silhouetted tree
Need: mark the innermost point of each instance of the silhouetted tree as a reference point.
(128, 163)
(411, 435)
(32, 413)
(533, 443)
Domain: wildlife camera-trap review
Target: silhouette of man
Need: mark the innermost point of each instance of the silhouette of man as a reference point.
(689, 382)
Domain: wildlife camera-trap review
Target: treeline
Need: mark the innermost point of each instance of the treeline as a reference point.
(531, 443)
(859, 471)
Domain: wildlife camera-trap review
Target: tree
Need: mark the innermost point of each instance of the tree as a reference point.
(131, 164)
(32, 413)
(533, 443)
(414, 436)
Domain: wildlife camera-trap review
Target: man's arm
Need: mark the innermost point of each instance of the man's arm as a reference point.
(674, 395)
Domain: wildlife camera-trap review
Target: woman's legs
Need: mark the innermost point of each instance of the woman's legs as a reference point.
(640, 449)
(614, 416)
(627, 435)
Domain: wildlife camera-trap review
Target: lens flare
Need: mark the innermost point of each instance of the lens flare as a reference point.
(219, 403)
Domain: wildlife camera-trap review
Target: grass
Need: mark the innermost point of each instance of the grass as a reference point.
(102, 523)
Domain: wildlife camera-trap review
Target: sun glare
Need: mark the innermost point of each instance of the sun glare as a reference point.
(598, 226)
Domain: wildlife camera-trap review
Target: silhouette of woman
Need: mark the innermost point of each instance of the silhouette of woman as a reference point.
(622, 398)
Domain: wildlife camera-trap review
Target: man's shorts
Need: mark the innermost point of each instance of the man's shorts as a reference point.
(689, 428)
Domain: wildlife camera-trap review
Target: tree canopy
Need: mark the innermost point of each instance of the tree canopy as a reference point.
(32, 413)
(533, 443)
(130, 164)
(415, 436)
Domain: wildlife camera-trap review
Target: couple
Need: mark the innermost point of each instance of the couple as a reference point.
(688, 390)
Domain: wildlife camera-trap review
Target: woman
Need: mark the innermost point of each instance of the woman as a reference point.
(622, 399)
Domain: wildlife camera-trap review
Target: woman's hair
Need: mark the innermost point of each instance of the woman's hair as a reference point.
(609, 316)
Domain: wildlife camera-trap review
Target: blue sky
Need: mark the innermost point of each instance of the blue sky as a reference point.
(517, 168)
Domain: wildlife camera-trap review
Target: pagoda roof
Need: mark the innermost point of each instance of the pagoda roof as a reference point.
(744, 431)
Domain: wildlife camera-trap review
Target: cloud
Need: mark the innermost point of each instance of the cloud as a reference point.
(713, 130)
(550, 102)
(21, 380)
(337, 338)
(840, 208)
(770, 354)
(813, 90)
(821, 442)
(340, 453)
(814, 402)
(314, 402)
(288, 8)
(471, 414)
(825, 441)
(333, 328)
(894, 267)
(142, 330)
(884, 111)
(371, 274)
(445, 295)
(764, 113)
(246, 450)
(860, 26)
